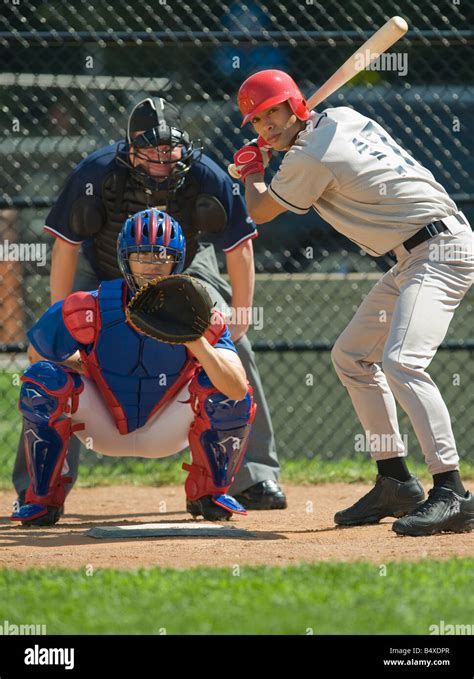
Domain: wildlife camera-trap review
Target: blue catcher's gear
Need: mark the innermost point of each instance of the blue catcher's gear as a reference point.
(154, 231)
(48, 392)
(218, 439)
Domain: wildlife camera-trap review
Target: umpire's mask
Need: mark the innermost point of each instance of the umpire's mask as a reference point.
(159, 152)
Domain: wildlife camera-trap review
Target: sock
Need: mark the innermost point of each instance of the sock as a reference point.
(395, 467)
(451, 480)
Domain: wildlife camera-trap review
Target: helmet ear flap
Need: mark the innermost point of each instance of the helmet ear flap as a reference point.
(299, 108)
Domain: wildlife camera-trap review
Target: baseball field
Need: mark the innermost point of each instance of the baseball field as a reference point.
(294, 573)
(108, 112)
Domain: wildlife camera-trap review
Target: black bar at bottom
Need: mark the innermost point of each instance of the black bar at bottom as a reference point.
(326, 656)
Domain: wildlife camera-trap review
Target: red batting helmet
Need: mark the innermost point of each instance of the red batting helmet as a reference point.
(268, 88)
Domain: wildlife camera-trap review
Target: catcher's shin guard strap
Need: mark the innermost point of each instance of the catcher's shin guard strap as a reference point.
(48, 392)
(218, 438)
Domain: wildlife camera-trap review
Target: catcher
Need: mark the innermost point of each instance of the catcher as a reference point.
(137, 395)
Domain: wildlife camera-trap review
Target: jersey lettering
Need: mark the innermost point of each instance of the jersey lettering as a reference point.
(374, 138)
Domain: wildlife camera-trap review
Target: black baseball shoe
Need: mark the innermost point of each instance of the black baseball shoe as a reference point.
(388, 497)
(443, 511)
(263, 495)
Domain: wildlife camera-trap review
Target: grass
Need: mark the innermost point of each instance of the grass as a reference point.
(319, 599)
(357, 468)
(168, 472)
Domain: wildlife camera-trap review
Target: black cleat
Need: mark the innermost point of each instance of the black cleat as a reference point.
(388, 497)
(443, 511)
(208, 509)
(263, 495)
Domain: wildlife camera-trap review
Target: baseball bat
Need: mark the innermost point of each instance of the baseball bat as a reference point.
(372, 48)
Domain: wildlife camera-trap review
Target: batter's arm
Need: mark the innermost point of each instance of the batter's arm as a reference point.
(260, 204)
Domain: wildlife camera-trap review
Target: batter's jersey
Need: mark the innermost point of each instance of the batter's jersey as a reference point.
(358, 179)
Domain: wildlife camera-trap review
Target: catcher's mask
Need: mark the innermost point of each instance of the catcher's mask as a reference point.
(154, 123)
(150, 231)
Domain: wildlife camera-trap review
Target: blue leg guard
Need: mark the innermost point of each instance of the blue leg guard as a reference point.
(47, 393)
(218, 439)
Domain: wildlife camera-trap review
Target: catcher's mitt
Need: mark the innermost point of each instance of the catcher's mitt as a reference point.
(173, 309)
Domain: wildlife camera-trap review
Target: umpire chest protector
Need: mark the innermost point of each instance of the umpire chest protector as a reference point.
(197, 213)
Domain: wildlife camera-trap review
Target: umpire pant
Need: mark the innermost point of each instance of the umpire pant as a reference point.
(261, 461)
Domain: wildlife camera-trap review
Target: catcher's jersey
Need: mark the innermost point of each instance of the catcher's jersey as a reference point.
(134, 373)
(357, 178)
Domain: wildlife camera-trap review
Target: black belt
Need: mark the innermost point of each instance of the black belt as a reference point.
(427, 232)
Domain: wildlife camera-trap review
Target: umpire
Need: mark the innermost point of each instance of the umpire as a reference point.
(159, 166)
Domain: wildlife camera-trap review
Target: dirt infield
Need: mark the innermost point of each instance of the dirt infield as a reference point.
(305, 532)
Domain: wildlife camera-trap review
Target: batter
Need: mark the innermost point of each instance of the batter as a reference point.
(350, 170)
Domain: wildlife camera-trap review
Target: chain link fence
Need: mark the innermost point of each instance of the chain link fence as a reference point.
(72, 72)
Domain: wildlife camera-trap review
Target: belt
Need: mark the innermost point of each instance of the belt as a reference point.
(429, 231)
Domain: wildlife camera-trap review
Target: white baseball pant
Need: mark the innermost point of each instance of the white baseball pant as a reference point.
(401, 324)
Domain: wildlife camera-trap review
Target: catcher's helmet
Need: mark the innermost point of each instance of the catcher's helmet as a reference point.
(155, 122)
(268, 88)
(150, 231)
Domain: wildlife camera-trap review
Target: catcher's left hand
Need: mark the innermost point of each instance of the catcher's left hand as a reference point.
(173, 309)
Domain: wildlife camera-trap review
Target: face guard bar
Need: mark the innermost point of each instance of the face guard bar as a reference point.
(162, 135)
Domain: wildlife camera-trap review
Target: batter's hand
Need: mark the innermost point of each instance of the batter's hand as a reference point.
(252, 158)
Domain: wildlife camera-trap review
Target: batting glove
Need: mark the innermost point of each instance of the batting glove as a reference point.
(252, 158)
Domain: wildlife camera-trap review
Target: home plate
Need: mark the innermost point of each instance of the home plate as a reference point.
(161, 530)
